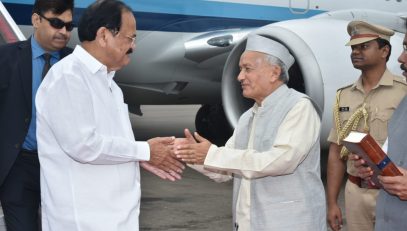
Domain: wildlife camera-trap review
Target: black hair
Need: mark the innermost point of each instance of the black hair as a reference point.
(102, 13)
(55, 6)
(382, 43)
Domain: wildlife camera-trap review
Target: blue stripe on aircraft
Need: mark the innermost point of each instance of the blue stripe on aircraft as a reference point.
(203, 8)
(181, 15)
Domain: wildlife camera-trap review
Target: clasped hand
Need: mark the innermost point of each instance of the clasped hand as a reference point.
(163, 162)
(192, 149)
(168, 155)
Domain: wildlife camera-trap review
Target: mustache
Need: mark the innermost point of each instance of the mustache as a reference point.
(129, 51)
(356, 57)
(403, 67)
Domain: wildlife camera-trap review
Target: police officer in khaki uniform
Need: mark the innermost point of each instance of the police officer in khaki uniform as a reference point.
(365, 106)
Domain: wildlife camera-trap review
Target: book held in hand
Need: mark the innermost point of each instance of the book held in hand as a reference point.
(368, 149)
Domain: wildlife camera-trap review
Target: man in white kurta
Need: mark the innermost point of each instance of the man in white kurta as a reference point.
(90, 178)
(273, 153)
(295, 137)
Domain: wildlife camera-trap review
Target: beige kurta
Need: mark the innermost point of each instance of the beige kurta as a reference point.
(301, 126)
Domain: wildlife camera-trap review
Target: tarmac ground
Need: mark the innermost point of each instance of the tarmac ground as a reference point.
(193, 203)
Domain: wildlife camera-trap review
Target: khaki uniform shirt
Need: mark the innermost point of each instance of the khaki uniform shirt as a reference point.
(380, 102)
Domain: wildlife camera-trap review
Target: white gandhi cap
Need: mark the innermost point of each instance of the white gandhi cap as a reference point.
(268, 46)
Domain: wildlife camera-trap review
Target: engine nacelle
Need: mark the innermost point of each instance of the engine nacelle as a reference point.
(322, 64)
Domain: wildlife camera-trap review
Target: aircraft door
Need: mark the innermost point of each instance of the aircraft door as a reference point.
(299, 6)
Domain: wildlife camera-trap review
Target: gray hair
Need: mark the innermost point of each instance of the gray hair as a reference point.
(272, 60)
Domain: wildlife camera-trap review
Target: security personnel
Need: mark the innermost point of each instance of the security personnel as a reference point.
(364, 106)
(23, 66)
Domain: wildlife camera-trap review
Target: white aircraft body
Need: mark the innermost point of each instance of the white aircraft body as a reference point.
(188, 50)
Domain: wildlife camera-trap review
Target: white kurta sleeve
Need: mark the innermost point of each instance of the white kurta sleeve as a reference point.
(217, 176)
(67, 108)
(296, 135)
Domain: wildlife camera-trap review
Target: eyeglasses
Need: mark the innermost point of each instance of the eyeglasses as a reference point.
(132, 38)
(58, 23)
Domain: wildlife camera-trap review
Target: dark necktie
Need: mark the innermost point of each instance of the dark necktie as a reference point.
(47, 65)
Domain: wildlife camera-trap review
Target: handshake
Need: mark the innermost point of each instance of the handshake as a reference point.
(168, 155)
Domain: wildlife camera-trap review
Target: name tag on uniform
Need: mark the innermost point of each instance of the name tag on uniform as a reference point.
(343, 109)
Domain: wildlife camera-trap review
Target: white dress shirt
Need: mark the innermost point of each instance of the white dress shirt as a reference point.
(300, 126)
(90, 179)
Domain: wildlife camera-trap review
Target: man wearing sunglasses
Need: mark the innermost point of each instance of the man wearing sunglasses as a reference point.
(24, 65)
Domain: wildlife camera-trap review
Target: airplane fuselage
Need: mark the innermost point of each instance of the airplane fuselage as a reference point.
(182, 46)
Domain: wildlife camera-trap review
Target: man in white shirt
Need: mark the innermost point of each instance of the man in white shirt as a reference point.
(89, 159)
(274, 151)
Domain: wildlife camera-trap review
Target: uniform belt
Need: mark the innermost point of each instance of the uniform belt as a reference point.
(361, 183)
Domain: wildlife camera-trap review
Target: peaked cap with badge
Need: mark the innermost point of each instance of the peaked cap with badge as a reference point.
(362, 32)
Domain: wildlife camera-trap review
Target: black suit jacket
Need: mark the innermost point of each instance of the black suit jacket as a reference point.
(15, 100)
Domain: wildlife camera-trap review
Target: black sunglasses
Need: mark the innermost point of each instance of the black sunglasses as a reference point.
(58, 23)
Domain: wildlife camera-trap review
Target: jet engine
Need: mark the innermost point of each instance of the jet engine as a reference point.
(322, 64)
